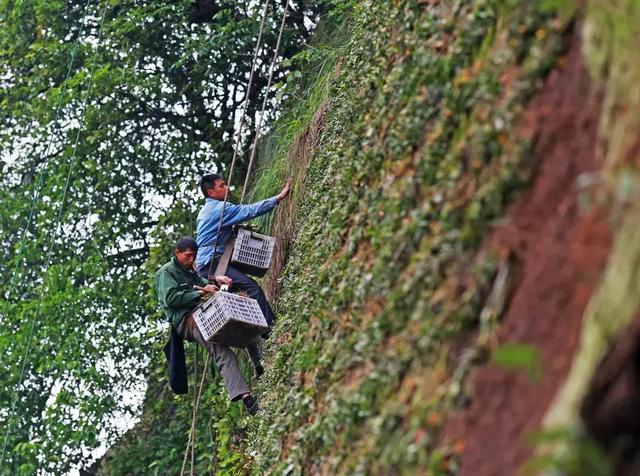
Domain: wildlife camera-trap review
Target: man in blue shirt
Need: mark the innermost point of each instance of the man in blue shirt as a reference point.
(214, 188)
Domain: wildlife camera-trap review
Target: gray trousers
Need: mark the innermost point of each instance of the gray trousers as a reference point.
(225, 359)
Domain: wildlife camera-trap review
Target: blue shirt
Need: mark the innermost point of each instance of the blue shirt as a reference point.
(209, 217)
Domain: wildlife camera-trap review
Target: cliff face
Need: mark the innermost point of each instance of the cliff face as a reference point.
(457, 257)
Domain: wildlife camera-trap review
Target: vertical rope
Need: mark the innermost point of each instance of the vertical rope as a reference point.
(254, 63)
(240, 129)
(194, 417)
(220, 221)
(195, 412)
(231, 168)
(52, 240)
(192, 431)
(45, 154)
(264, 103)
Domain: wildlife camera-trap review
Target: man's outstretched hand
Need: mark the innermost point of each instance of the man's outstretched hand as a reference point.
(285, 191)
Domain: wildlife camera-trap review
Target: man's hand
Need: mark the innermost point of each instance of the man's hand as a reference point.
(208, 289)
(221, 280)
(285, 191)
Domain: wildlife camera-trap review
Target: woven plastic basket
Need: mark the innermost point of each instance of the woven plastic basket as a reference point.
(229, 319)
(252, 252)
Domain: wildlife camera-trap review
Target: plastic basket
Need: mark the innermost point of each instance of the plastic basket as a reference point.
(252, 252)
(229, 319)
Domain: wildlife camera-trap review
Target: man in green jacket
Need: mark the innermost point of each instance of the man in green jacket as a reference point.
(179, 290)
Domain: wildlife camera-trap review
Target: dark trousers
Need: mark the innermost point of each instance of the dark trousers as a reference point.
(242, 282)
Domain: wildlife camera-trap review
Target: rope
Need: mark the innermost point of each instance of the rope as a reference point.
(254, 63)
(191, 442)
(196, 407)
(45, 154)
(264, 103)
(52, 241)
(240, 130)
(193, 425)
(194, 417)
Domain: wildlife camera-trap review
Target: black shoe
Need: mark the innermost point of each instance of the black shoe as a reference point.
(266, 335)
(259, 370)
(251, 404)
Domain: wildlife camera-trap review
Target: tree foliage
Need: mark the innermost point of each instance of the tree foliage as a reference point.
(109, 110)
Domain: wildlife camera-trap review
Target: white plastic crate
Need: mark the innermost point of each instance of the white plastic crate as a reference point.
(252, 252)
(229, 319)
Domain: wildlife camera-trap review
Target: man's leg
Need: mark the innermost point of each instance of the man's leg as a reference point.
(225, 359)
(255, 354)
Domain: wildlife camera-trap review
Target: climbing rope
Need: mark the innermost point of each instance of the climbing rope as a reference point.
(264, 103)
(193, 428)
(44, 156)
(192, 434)
(191, 441)
(258, 127)
(236, 148)
(53, 235)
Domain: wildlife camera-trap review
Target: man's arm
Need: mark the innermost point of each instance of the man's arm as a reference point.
(173, 294)
(234, 214)
(240, 213)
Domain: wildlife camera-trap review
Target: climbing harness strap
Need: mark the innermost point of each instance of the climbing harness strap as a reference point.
(223, 263)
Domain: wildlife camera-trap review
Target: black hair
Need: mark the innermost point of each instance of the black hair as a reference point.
(208, 181)
(187, 243)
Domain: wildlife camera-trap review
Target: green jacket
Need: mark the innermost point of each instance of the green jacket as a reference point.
(174, 286)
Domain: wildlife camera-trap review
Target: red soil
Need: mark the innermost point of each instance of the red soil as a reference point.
(561, 251)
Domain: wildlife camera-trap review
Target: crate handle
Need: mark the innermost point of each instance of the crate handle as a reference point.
(256, 237)
(207, 304)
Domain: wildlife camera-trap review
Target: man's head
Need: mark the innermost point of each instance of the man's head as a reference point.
(186, 250)
(213, 186)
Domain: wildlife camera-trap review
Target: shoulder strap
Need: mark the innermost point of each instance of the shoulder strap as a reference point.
(223, 264)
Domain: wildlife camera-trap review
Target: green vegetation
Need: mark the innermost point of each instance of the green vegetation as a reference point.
(165, 87)
(398, 122)
(520, 357)
(416, 156)
(584, 457)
